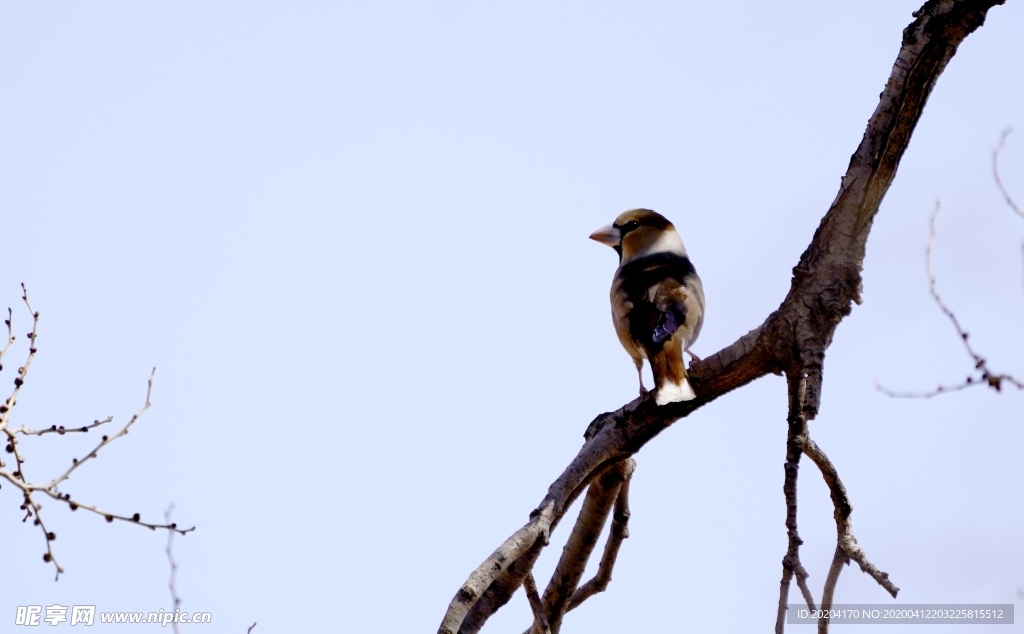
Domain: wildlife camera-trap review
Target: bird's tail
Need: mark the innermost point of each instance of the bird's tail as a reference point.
(669, 392)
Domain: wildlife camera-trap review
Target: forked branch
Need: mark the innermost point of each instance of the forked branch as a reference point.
(842, 511)
(52, 488)
(793, 339)
(619, 531)
(563, 593)
(799, 442)
(791, 565)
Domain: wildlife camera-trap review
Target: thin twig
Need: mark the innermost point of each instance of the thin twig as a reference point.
(61, 430)
(995, 172)
(10, 336)
(984, 375)
(106, 440)
(250, 627)
(964, 337)
(19, 381)
(999, 182)
(51, 489)
(172, 583)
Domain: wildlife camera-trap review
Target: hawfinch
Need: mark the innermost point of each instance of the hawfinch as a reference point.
(657, 299)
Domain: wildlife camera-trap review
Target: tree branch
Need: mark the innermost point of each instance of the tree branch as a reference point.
(597, 505)
(540, 619)
(61, 430)
(985, 376)
(791, 565)
(995, 172)
(838, 561)
(618, 532)
(172, 584)
(825, 283)
(999, 181)
(844, 526)
(51, 489)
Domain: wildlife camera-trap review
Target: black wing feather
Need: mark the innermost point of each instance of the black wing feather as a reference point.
(649, 326)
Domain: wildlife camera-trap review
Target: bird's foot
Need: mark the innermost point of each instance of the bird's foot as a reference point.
(693, 358)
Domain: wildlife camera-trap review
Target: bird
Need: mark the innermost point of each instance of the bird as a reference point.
(657, 299)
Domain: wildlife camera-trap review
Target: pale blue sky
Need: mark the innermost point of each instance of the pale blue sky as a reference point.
(352, 237)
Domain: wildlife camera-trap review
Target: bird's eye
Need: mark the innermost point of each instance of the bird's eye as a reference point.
(629, 226)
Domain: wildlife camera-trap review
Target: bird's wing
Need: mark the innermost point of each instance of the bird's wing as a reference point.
(657, 287)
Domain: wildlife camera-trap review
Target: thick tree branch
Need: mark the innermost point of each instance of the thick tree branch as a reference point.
(825, 283)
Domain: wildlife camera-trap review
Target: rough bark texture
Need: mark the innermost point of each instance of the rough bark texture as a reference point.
(569, 572)
(793, 339)
(791, 566)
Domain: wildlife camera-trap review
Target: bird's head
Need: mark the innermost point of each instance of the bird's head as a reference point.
(639, 232)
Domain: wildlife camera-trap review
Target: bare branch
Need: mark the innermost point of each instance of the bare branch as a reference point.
(618, 532)
(54, 429)
(540, 619)
(597, 505)
(935, 294)
(250, 627)
(10, 336)
(984, 375)
(495, 575)
(106, 440)
(843, 510)
(838, 561)
(19, 381)
(791, 565)
(172, 584)
(999, 181)
(992, 380)
(793, 339)
(51, 489)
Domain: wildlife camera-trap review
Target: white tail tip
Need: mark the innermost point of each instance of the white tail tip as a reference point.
(672, 393)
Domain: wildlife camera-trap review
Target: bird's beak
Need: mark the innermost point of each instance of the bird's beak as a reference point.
(608, 235)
